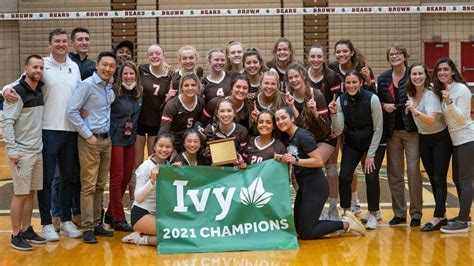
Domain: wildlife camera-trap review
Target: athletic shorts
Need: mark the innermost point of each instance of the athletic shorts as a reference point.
(144, 130)
(136, 214)
(332, 142)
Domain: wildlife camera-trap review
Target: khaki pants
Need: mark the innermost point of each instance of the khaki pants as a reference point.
(95, 164)
(403, 145)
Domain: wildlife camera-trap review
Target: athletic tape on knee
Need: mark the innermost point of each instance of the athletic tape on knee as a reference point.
(331, 169)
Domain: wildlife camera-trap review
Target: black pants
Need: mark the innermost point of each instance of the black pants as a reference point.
(350, 158)
(313, 191)
(463, 172)
(435, 152)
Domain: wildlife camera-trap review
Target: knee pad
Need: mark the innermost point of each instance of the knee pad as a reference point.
(331, 170)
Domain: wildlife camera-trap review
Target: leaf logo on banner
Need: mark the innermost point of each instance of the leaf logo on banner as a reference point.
(255, 194)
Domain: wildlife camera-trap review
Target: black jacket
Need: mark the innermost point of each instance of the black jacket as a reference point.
(124, 108)
(383, 91)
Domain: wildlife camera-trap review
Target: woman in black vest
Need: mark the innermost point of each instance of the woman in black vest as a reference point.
(358, 113)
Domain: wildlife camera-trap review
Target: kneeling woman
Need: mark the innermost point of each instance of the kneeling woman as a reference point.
(264, 146)
(192, 154)
(143, 211)
(224, 127)
(313, 191)
(358, 113)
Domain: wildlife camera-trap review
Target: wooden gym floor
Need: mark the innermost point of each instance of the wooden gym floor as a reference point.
(398, 245)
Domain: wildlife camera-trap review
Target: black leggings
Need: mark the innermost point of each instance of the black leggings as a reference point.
(435, 152)
(350, 158)
(463, 172)
(313, 191)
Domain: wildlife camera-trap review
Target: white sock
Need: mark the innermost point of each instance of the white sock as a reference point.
(332, 202)
(355, 198)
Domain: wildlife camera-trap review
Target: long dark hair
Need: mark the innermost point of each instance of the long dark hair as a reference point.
(438, 86)
(190, 131)
(357, 59)
(255, 52)
(411, 89)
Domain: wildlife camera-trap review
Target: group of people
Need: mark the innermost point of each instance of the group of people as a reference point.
(72, 124)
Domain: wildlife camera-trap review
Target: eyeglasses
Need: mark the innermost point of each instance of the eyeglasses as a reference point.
(394, 54)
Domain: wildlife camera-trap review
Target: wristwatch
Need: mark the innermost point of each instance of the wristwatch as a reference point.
(297, 160)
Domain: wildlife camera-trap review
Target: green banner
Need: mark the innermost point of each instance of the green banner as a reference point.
(209, 209)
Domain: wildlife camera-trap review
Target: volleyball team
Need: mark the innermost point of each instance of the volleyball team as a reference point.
(303, 115)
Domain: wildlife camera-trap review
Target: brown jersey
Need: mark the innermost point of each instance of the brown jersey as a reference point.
(242, 117)
(177, 76)
(257, 154)
(177, 118)
(329, 85)
(320, 127)
(184, 161)
(212, 132)
(220, 88)
(340, 74)
(155, 89)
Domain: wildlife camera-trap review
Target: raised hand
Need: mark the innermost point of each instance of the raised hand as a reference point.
(333, 105)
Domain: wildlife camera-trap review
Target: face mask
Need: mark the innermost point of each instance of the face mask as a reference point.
(129, 87)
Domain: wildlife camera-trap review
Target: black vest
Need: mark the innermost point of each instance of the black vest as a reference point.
(359, 129)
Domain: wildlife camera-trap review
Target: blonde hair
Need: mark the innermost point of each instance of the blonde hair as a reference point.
(164, 65)
(277, 101)
(184, 48)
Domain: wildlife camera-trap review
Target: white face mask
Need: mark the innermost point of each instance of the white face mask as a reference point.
(129, 87)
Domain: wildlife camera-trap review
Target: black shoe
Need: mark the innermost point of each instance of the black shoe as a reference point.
(31, 236)
(107, 218)
(100, 231)
(20, 243)
(429, 227)
(415, 222)
(397, 220)
(89, 237)
(122, 226)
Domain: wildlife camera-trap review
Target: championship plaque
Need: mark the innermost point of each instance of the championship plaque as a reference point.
(222, 151)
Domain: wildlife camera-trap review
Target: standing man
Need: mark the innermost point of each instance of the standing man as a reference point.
(80, 41)
(61, 77)
(23, 135)
(95, 96)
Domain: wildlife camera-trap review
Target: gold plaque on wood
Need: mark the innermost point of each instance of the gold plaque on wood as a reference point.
(222, 151)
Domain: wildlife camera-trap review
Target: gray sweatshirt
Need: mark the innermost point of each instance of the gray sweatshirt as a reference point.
(23, 120)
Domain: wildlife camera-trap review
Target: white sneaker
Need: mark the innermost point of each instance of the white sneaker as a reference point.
(333, 214)
(371, 222)
(378, 215)
(355, 207)
(354, 224)
(49, 233)
(135, 238)
(70, 229)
